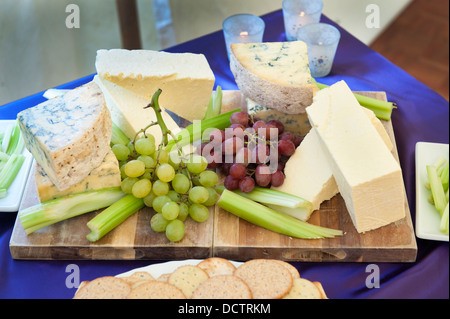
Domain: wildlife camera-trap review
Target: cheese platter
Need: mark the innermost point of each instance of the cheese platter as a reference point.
(349, 218)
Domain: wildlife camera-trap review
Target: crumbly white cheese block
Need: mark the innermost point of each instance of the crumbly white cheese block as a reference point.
(69, 135)
(186, 79)
(128, 113)
(295, 123)
(368, 176)
(274, 74)
(104, 176)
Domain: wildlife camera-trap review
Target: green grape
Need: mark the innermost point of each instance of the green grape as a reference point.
(197, 164)
(175, 230)
(121, 152)
(198, 195)
(159, 202)
(148, 161)
(174, 160)
(141, 188)
(213, 197)
(147, 174)
(165, 172)
(145, 145)
(196, 180)
(131, 147)
(134, 168)
(184, 212)
(148, 200)
(173, 195)
(158, 223)
(199, 212)
(170, 210)
(181, 183)
(122, 170)
(160, 188)
(161, 156)
(209, 178)
(127, 184)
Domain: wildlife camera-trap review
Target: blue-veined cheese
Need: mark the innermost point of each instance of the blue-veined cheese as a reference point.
(128, 113)
(368, 176)
(274, 74)
(295, 123)
(69, 135)
(104, 176)
(186, 79)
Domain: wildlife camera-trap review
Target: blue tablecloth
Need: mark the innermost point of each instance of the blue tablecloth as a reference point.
(422, 115)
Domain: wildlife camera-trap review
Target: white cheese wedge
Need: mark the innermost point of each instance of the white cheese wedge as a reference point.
(186, 79)
(104, 176)
(128, 113)
(367, 175)
(69, 135)
(274, 74)
(308, 173)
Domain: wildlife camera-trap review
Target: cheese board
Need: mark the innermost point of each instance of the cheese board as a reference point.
(223, 234)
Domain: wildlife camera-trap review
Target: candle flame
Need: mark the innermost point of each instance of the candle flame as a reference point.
(243, 33)
(302, 14)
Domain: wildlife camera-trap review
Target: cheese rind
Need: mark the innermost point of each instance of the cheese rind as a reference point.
(186, 79)
(274, 74)
(69, 135)
(368, 176)
(128, 113)
(104, 176)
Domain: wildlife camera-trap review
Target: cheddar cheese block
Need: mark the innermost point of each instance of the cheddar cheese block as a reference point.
(308, 172)
(104, 176)
(186, 79)
(368, 176)
(274, 74)
(69, 135)
(128, 113)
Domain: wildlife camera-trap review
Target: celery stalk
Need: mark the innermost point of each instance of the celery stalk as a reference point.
(215, 104)
(113, 216)
(382, 109)
(118, 136)
(270, 219)
(53, 211)
(10, 170)
(444, 221)
(436, 189)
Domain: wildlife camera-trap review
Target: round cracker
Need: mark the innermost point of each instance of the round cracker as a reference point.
(137, 277)
(107, 287)
(222, 287)
(217, 266)
(266, 278)
(164, 277)
(294, 272)
(187, 278)
(303, 289)
(152, 289)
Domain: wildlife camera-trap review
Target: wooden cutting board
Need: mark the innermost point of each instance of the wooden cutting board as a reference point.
(223, 235)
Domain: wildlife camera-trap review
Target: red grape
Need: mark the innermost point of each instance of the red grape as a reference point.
(217, 136)
(297, 140)
(232, 145)
(230, 183)
(278, 125)
(289, 136)
(241, 118)
(262, 175)
(247, 184)
(277, 178)
(260, 153)
(258, 124)
(268, 131)
(238, 171)
(286, 148)
(235, 130)
(243, 156)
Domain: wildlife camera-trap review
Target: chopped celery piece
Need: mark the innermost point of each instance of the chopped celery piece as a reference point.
(118, 136)
(113, 216)
(382, 109)
(10, 170)
(444, 221)
(436, 189)
(270, 219)
(44, 214)
(215, 104)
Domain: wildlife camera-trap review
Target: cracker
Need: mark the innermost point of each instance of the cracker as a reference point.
(164, 277)
(137, 277)
(319, 286)
(294, 272)
(266, 278)
(222, 287)
(217, 266)
(303, 289)
(104, 288)
(153, 289)
(188, 278)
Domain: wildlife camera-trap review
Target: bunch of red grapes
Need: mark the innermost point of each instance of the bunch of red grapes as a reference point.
(250, 152)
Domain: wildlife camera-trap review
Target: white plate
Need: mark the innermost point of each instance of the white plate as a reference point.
(427, 218)
(12, 201)
(157, 270)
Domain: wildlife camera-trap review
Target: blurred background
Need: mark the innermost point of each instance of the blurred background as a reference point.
(38, 51)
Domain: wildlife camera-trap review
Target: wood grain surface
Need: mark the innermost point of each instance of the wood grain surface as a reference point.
(223, 235)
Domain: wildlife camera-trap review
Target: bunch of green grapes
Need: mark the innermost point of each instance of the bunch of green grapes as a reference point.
(176, 187)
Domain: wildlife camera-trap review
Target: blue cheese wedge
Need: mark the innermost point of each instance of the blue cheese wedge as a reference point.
(69, 135)
(104, 176)
(274, 74)
(368, 176)
(186, 79)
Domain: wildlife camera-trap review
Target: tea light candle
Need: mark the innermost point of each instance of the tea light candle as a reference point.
(243, 28)
(298, 13)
